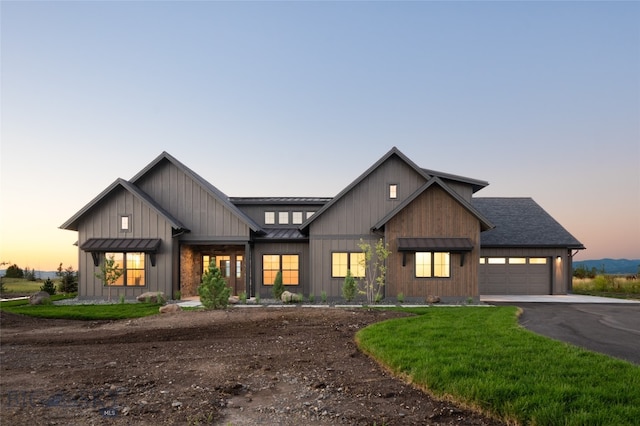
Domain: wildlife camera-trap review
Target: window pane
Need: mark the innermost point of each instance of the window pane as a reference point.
(283, 218)
(268, 277)
(538, 260)
(496, 261)
(270, 267)
(393, 191)
(309, 214)
(339, 264)
(357, 265)
(441, 265)
(482, 260)
(124, 223)
(269, 218)
(296, 218)
(517, 261)
(423, 264)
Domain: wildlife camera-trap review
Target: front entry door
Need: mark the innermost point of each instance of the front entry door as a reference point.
(231, 267)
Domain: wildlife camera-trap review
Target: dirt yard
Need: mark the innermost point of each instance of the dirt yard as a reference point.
(243, 366)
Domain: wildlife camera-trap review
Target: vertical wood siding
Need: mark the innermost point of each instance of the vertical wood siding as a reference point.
(104, 222)
(301, 249)
(433, 214)
(186, 199)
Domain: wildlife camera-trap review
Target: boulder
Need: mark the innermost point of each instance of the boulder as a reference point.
(152, 296)
(234, 300)
(432, 299)
(39, 298)
(167, 309)
(288, 297)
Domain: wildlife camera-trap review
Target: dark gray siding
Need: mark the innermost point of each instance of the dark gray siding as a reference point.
(301, 249)
(104, 222)
(207, 217)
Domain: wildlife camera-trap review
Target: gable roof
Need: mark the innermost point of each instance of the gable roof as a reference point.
(393, 151)
(212, 190)
(476, 184)
(521, 222)
(484, 222)
(72, 223)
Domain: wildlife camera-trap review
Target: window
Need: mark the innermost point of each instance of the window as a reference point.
(496, 260)
(289, 264)
(283, 218)
(393, 191)
(296, 218)
(343, 261)
(125, 223)
(433, 265)
(132, 266)
(517, 260)
(537, 261)
(269, 218)
(309, 214)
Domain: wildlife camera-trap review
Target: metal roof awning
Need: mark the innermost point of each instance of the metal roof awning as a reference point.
(452, 245)
(121, 245)
(435, 244)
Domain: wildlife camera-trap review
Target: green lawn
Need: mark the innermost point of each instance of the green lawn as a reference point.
(483, 358)
(22, 286)
(81, 312)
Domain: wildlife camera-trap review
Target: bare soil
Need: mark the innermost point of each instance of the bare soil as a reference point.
(242, 366)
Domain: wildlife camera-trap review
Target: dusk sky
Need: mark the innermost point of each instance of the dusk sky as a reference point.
(540, 99)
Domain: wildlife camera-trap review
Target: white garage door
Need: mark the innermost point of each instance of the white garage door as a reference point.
(515, 275)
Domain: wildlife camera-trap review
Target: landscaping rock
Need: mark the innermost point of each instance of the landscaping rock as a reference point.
(152, 296)
(432, 299)
(288, 297)
(167, 309)
(234, 300)
(39, 298)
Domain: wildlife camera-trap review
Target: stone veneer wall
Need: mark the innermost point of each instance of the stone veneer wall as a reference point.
(189, 276)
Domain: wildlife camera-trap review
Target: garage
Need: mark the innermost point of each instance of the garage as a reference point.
(515, 275)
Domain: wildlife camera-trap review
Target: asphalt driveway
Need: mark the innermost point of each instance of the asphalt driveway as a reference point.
(612, 329)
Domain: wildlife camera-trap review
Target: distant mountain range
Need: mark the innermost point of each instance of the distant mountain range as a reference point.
(610, 266)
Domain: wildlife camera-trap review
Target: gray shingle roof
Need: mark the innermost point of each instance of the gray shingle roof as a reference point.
(521, 222)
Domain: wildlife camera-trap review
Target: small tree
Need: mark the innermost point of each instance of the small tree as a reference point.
(375, 269)
(14, 271)
(278, 287)
(213, 292)
(109, 273)
(68, 280)
(49, 287)
(349, 287)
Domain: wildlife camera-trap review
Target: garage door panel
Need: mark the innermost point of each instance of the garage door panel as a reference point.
(515, 278)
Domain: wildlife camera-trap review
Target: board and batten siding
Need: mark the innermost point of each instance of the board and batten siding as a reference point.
(207, 217)
(301, 249)
(434, 214)
(104, 222)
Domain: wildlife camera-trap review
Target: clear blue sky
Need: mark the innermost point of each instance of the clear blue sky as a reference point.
(541, 99)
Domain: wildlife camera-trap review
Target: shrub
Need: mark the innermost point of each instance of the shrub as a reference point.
(213, 292)
(122, 299)
(349, 287)
(400, 297)
(323, 296)
(278, 287)
(312, 298)
(49, 287)
(243, 297)
(177, 295)
(68, 280)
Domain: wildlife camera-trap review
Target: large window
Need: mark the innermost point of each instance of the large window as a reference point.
(343, 261)
(289, 264)
(132, 266)
(433, 265)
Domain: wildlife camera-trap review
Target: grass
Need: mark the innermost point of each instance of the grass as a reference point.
(81, 312)
(22, 286)
(482, 358)
(608, 286)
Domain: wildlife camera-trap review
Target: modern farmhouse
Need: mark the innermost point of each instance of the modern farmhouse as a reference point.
(165, 226)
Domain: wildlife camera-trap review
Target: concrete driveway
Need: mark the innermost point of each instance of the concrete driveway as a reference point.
(609, 328)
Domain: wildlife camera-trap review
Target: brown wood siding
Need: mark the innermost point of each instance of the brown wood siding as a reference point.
(433, 214)
(104, 222)
(186, 200)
